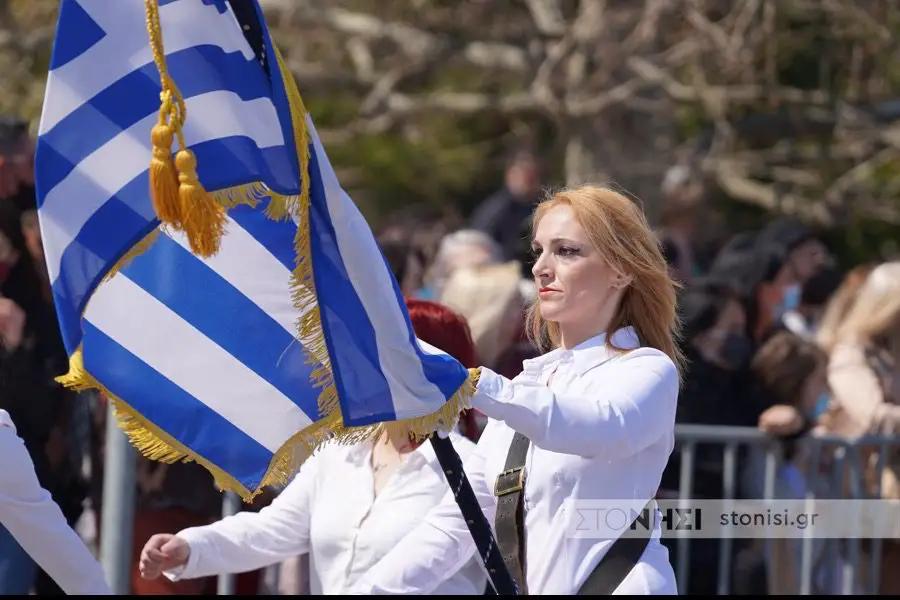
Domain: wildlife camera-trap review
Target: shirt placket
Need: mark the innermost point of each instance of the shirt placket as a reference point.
(368, 484)
(373, 501)
(552, 376)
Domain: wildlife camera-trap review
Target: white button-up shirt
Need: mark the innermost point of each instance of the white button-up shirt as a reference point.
(329, 510)
(29, 513)
(602, 430)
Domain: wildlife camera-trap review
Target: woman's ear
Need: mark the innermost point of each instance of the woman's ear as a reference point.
(622, 281)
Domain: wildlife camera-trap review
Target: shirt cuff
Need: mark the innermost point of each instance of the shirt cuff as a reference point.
(190, 567)
(6, 421)
(492, 392)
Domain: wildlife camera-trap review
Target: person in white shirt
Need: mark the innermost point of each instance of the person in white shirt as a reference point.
(598, 409)
(34, 519)
(346, 508)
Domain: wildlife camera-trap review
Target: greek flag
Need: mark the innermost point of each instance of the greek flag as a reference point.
(210, 275)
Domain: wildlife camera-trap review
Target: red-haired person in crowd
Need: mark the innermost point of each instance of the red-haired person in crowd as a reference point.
(329, 510)
(442, 328)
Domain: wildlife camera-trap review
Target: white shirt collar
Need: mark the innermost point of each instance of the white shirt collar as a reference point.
(586, 355)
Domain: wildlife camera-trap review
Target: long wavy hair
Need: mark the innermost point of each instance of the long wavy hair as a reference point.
(619, 231)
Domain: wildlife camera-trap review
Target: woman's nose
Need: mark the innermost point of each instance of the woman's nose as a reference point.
(540, 269)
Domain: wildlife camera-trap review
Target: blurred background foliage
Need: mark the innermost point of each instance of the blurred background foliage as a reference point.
(449, 160)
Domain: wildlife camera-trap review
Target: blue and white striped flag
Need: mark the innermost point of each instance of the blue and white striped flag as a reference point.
(241, 320)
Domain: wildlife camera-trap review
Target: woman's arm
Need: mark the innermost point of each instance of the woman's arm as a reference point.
(248, 541)
(37, 523)
(630, 405)
(438, 548)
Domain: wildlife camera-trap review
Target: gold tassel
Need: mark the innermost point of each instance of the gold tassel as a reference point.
(180, 200)
(163, 179)
(203, 219)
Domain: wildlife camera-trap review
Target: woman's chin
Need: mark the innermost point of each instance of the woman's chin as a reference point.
(549, 312)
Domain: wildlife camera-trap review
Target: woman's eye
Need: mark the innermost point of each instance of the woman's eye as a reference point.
(567, 251)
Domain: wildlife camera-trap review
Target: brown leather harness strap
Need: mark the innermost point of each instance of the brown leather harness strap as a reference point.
(509, 524)
(510, 518)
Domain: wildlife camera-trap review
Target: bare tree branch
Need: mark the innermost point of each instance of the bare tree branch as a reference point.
(547, 16)
(413, 41)
(745, 188)
(598, 69)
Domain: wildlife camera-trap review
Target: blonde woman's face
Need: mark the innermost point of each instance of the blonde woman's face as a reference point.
(574, 281)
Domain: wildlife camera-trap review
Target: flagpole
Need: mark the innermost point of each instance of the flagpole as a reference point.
(117, 510)
(478, 525)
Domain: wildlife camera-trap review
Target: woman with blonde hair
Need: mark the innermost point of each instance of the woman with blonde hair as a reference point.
(592, 418)
(864, 377)
(863, 370)
(489, 298)
(840, 304)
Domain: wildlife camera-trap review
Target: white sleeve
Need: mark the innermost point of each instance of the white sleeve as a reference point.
(630, 405)
(435, 550)
(248, 541)
(34, 519)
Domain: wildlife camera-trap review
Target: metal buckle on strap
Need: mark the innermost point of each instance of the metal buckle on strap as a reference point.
(505, 475)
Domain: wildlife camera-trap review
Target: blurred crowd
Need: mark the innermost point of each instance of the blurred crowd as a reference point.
(779, 337)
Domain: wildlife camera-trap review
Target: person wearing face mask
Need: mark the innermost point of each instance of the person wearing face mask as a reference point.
(804, 320)
(804, 252)
(716, 349)
(592, 417)
(797, 257)
(763, 275)
(776, 290)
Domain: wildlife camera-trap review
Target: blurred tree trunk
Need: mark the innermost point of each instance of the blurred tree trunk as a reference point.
(618, 150)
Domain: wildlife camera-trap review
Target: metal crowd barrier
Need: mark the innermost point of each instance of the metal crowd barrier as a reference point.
(834, 468)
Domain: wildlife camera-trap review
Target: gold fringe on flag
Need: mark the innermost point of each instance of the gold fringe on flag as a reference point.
(136, 250)
(155, 444)
(310, 323)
